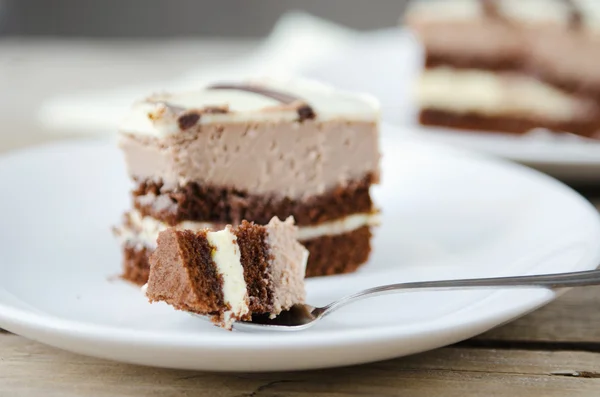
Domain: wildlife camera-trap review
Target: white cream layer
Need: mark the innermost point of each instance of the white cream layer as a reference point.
(146, 229)
(150, 117)
(226, 256)
(338, 226)
(493, 94)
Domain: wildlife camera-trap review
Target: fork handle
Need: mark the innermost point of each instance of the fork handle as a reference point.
(551, 281)
(559, 280)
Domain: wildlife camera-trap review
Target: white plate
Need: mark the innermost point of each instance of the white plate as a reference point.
(447, 214)
(569, 158)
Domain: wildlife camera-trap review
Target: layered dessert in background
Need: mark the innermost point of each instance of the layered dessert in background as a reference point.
(252, 151)
(509, 65)
(229, 274)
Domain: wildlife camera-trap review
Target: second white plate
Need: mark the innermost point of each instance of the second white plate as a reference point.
(572, 159)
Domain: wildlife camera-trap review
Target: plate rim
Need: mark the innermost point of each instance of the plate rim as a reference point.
(460, 139)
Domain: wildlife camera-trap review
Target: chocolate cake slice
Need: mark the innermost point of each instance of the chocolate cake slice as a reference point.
(254, 150)
(229, 274)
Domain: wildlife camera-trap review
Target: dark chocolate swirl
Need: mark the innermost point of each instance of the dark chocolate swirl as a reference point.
(304, 110)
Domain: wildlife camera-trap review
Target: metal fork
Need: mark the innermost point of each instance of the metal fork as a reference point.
(303, 316)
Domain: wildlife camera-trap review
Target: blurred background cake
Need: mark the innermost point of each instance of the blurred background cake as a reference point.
(509, 65)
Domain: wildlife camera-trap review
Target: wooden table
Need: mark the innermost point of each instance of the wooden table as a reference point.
(554, 351)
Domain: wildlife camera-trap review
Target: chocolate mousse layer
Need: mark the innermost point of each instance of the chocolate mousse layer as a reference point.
(195, 202)
(285, 159)
(506, 124)
(184, 274)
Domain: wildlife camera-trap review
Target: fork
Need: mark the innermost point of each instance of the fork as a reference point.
(303, 316)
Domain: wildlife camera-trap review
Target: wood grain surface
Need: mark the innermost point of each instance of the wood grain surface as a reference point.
(28, 368)
(572, 319)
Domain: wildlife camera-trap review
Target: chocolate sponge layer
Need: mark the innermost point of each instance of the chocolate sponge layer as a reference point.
(514, 125)
(223, 205)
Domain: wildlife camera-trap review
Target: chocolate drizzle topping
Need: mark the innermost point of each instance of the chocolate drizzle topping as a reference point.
(189, 118)
(304, 110)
